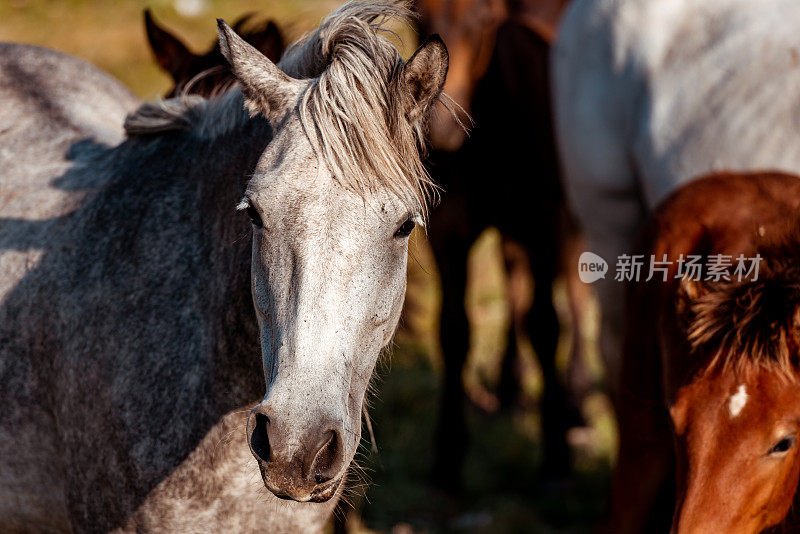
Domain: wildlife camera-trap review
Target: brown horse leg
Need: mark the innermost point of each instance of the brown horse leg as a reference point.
(519, 288)
(579, 297)
(509, 387)
(542, 325)
(451, 440)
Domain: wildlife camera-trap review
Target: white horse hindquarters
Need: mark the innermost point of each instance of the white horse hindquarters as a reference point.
(593, 113)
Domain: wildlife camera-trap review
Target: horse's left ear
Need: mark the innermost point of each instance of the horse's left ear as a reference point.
(266, 88)
(423, 76)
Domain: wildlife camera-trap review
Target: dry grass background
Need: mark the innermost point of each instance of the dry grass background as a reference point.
(110, 33)
(502, 491)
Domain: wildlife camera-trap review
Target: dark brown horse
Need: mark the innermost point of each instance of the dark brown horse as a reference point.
(723, 354)
(203, 74)
(499, 73)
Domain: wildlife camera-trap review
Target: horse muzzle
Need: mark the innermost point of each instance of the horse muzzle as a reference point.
(308, 468)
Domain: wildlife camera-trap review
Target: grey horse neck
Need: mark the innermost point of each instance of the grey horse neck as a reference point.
(168, 217)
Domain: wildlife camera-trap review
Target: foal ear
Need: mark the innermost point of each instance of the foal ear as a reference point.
(689, 291)
(242, 21)
(266, 88)
(268, 40)
(423, 77)
(171, 54)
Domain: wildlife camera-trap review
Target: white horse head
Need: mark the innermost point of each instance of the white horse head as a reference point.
(333, 200)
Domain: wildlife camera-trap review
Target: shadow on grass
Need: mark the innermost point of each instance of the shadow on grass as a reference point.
(503, 491)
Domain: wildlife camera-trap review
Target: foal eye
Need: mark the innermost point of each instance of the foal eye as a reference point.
(783, 445)
(255, 218)
(405, 228)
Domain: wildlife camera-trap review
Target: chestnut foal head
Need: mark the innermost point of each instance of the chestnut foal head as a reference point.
(737, 422)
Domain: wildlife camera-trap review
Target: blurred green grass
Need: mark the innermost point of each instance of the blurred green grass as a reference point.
(504, 492)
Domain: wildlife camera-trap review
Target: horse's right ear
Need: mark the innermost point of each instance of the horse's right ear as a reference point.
(171, 54)
(266, 88)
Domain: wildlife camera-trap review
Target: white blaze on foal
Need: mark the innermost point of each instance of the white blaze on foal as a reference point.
(737, 401)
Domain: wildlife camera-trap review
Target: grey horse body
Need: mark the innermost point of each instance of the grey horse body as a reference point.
(127, 412)
(55, 110)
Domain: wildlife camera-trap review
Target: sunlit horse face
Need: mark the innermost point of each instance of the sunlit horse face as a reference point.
(328, 276)
(738, 455)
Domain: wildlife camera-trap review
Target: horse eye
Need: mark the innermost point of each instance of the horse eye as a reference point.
(405, 228)
(783, 445)
(254, 216)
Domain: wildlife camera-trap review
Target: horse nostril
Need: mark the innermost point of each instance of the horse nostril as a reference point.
(326, 462)
(259, 441)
